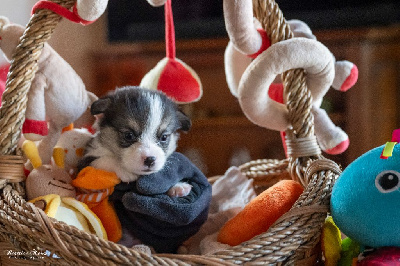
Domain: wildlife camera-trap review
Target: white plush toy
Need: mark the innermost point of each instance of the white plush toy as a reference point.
(248, 41)
(73, 143)
(156, 2)
(90, 10)
(57, 96)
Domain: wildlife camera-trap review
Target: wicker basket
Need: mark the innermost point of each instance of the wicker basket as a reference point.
(28, 236)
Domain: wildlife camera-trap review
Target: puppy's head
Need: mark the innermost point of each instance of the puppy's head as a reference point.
(140, 127)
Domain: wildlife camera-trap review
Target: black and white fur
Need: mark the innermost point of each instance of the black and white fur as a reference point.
(137, 129)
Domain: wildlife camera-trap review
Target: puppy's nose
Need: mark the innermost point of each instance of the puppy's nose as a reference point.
(149, 161)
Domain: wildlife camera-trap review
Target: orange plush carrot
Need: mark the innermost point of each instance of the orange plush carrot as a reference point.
(260, 213)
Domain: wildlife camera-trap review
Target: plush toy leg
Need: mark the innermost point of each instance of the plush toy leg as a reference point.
(346, 75)
(332, 139)
(235, 64)
(240, 27)
(47, 144)
(35, 125)
(108, 217)
(34, 130)
(301, 29)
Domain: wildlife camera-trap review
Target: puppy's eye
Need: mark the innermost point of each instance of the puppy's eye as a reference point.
(164, 137)
(129, 136)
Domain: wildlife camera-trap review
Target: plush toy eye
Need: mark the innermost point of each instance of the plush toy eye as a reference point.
(387, 181)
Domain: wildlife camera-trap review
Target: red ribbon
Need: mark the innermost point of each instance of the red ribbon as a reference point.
(169, 30)
(62, 11)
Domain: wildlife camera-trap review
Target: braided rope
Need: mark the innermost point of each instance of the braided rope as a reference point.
(258, 169)
(298, 97)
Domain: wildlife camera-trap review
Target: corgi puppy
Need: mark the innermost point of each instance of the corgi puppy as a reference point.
(137, 130)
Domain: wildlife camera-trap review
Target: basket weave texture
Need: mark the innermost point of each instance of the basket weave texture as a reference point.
(28, 236)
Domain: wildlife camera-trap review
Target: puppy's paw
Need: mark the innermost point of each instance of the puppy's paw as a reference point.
(179, 190)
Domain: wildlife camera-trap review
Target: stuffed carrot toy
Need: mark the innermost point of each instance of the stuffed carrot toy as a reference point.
(260, 213)
(94, 187)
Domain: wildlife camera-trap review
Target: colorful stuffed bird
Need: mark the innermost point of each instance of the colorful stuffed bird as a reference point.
(365, 199)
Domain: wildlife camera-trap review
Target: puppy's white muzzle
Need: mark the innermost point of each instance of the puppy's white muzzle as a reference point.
(143, 159)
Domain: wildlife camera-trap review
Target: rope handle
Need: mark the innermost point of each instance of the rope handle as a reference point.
(298, 97)
(300, 139)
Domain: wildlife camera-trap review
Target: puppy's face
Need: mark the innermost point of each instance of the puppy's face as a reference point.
(139, 127)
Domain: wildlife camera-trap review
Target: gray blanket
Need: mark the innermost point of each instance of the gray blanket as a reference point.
(157, 219)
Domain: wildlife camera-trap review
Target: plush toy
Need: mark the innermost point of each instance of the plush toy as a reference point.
(335, 250)
(382, 256)
(247, 42)
(73, 142)
(49, 188)
(331, 242)
(57, 95)
(156, 2)
(171, 75)
(4, 66)
(364, 202)
(349, 252)
(94, 187)
(3, 76)
(260, 213)
(308, 54)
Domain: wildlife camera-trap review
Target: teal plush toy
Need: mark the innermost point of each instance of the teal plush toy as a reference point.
(365, 202)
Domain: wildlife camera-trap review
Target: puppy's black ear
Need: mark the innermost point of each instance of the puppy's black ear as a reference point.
(100, 106)
(184, 120)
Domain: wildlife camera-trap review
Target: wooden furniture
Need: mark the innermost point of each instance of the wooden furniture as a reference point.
(220, 132)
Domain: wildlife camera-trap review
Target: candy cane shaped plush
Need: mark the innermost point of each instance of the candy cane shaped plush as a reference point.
(248, 41)
(304, 53)
(57, 96)
(171, 75)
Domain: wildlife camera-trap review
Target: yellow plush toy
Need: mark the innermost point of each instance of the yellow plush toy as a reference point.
(331, 241)
(72, 212)
(49, 188)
